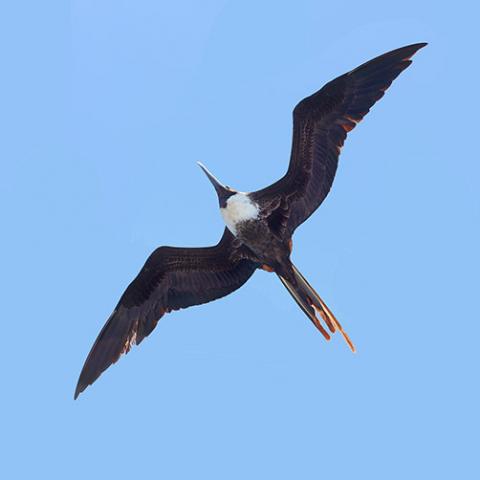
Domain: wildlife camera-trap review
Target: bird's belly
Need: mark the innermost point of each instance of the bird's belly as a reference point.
(259, 239)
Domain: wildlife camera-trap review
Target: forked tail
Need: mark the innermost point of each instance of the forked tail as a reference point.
(310, 302)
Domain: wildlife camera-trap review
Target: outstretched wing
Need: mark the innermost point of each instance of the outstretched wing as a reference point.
(320, 125)
(172, 278)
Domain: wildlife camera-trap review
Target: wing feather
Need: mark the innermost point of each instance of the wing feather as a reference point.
(172, 278)
(320, 125)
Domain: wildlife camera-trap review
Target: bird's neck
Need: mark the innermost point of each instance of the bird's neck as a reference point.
(239, 208)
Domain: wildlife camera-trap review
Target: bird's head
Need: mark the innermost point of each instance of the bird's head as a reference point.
(223, 192)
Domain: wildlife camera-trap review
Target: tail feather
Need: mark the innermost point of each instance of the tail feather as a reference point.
(308, 310)
(310, 302)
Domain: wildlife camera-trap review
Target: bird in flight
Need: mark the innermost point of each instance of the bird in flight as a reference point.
(259, 225)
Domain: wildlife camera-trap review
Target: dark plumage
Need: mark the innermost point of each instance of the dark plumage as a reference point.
(320, 125)
(172, 278)
(259, 225)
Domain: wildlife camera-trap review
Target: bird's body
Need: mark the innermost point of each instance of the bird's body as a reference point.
(245, 220)
(259, 225)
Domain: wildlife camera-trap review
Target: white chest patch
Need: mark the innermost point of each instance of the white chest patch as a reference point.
(239, 209)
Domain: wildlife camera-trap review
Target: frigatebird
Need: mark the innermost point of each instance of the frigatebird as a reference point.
(259, 225)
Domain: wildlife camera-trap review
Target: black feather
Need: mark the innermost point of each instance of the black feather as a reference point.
(320, 125)
(172, 278)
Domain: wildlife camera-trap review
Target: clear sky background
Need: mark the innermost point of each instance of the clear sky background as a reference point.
(106, 107)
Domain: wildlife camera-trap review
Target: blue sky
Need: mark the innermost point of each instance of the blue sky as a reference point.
(107, 105)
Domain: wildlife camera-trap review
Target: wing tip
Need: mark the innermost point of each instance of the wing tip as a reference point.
(398, 58)
(417, 45)
(79, 389)
(414, 48)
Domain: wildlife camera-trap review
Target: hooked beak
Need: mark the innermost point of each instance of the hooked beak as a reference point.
(219, 187)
